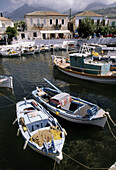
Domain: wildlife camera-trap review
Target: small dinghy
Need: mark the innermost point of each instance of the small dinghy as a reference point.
(6, 81)
(40, 129)
(68, 107)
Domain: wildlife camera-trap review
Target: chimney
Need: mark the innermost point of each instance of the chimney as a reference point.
(1, 14)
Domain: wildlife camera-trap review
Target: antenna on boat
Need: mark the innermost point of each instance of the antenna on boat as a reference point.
(53, 85)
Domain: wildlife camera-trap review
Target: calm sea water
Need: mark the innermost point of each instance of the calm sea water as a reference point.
(93, 146)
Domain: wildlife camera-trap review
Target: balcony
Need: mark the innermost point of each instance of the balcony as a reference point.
(38, 25)
(57, 26)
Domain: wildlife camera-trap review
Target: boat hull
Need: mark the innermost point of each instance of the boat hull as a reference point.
(80, 75)
(30, 124)
(50, 155)
(99, 121)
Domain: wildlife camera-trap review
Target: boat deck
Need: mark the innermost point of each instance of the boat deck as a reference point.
(82, 111)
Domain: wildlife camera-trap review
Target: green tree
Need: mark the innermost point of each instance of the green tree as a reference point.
(20, 26)
(112, 30)
(101, 29)
(12, 32)
(86, 27)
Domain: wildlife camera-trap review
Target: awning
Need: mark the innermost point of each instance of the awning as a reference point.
(54, 31)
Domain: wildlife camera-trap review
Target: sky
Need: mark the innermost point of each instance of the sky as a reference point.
(60, 5)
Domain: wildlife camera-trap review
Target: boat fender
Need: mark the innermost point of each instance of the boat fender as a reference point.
(24, 128)
(57, 113)
(31, 139)
(64, 131)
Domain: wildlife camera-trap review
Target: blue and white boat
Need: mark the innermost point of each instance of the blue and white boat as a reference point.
(40, 129)
(69, 107)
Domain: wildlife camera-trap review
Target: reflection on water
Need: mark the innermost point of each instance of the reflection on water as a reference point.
(93, 146)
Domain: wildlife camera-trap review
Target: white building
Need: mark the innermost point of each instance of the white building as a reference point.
(45, 25)
(4, 23)
(96, 18)
(112, 22)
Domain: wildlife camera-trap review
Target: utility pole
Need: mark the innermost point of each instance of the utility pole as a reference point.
(70, 21)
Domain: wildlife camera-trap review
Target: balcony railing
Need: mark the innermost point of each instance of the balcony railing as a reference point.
(57, 26)
(38, 25)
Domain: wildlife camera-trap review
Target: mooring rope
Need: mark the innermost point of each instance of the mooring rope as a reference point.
(110, 129)
(10, 100)
(7, 97)
(20, 84)
(85, 166)
(107, 113)
(54, 165)
(7, 106)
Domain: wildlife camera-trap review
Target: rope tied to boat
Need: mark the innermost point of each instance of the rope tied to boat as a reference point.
(85, 166)
(107, 114)
(110, 129)
(54, 165)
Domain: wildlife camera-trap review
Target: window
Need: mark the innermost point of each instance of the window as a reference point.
(22, 35)
(38, 21)
(79, 21)
(103, 22)
(44, 21)
(50, 21)
(34, 34)
(56, 21)
(92, 21)
(113, 23)
(98, 22)
(62, 21)
(31, 21)
(3, 25)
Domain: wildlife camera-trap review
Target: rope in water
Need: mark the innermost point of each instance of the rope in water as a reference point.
(20, 84)
(110, 129)
(7, 97)
(54, 165)
(85, 166)
(110, 118)
(10, 100)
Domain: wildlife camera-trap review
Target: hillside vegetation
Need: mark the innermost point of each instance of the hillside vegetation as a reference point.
(109, 12)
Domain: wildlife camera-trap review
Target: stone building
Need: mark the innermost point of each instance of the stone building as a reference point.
(46, 25)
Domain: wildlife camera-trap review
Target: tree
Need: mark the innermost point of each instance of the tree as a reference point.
(12, 32)
(112, 30)
(21, 25)
(86, 27)
(103, 30)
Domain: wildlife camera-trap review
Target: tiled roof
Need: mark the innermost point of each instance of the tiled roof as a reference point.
(4, 19)
(89, 14)
(46, 13)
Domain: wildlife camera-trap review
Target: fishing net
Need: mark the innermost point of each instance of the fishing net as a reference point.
(43, 135)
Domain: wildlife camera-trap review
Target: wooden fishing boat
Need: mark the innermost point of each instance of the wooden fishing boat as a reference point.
(83, 67)
(69, 107)
(9, 53)
(6, 81)
(40, 129)
(27, 50)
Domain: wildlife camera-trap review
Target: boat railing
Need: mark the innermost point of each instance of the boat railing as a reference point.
(86, 69)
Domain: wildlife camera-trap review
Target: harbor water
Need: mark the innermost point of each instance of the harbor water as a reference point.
(92, 146)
